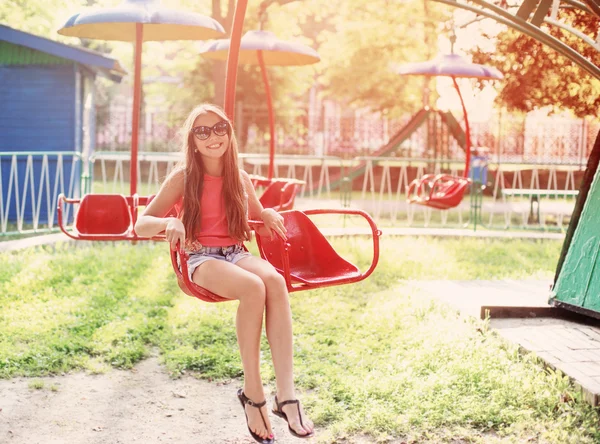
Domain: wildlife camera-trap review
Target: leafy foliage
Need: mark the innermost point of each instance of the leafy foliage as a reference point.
(359, 42)
(368, 40)
(536, 76)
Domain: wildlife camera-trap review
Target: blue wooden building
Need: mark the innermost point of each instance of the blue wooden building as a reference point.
(46, 106)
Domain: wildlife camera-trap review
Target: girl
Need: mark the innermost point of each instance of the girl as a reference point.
(218, 198)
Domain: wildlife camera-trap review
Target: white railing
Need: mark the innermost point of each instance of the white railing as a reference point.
(30, 183)
(382, 193)
(384, 183)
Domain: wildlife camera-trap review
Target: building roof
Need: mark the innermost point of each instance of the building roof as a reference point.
(99, 63)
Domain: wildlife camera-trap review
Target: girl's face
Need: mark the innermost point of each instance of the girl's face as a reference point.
(211, 135)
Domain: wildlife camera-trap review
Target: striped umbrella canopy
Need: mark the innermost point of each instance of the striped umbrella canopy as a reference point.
(264, 48)
(454, 66)
(138, 21)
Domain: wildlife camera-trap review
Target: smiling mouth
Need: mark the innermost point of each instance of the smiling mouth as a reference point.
(214, 146)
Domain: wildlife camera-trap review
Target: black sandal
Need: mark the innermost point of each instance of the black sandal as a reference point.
(279, 412)
(247, 401)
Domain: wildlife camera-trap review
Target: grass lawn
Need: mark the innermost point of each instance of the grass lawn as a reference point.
(374, 358)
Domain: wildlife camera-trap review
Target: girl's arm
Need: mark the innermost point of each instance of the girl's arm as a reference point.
(272, 219)
(153, 221)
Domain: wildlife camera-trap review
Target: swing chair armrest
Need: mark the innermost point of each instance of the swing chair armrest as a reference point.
(60, 209)
(375, 232)
(289, 203)
(63, 199)
(179, 260)
(259, 181)
(254, 224)
(135, 203)
(434, 182)
(413, 188)
(180, 266)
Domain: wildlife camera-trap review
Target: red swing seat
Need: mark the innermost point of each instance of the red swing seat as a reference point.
(104, 217)
(306, 259)
(441, 191)
(279, 193)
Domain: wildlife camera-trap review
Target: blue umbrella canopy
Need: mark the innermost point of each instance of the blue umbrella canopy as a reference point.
(450, 65)
(275, 52)
(160, 24)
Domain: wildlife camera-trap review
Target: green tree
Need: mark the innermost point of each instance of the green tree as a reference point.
(536, 76)
(288, 84)
(369, 38)
(37, 17)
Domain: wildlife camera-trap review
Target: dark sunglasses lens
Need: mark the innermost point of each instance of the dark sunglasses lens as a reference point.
(202, 132)
(221, 128)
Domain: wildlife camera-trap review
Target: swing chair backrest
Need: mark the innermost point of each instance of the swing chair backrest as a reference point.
(103, 214)
(279, 195)
(311, 256)
(307, 260)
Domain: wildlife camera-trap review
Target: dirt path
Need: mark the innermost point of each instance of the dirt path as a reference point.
(121, 407)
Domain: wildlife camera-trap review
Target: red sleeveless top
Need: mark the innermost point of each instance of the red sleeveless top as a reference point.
(214, 231)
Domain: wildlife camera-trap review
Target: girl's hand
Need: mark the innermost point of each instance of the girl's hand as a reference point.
(175, 232)
(273, 222)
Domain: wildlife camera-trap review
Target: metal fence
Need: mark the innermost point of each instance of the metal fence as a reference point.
(506, 137)
(517, 195)
(30, 183)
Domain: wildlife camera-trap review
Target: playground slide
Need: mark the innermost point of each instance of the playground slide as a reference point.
(404, 133)
(455, 128)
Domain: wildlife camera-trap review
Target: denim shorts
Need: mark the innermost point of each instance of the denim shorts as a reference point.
(231, 253)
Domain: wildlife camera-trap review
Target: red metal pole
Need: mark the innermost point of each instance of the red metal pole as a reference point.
(233, 56)
(135, 112)
(467, 131)
(263, 71)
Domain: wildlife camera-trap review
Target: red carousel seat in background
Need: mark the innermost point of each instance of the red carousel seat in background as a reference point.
(441, 191)
(279, 193)
(104, 217)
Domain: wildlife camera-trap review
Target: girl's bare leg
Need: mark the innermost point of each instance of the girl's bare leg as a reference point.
(279, 334)
(233, 282)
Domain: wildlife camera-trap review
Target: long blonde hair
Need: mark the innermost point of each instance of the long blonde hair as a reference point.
(233, 187)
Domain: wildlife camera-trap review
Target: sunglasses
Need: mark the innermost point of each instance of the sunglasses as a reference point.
(203, 132)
